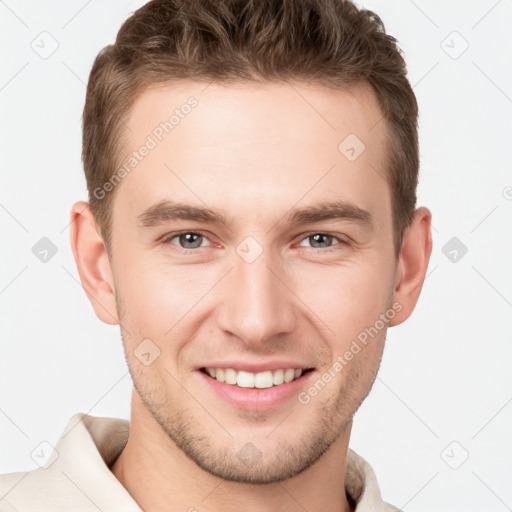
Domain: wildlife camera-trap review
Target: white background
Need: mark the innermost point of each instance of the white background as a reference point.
(445, 374)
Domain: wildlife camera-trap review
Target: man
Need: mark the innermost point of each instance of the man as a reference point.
(252, 228)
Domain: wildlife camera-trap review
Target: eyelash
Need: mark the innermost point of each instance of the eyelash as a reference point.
(171, 236)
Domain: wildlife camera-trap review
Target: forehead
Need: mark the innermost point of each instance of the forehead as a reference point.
(242, 145)
(292, 109)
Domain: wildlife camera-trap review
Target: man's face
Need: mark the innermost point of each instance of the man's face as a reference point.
(267, 290)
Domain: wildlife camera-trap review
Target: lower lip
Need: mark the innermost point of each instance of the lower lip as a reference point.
(257, 399)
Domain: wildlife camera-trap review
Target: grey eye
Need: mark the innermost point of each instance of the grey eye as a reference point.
(189, 240)
(320, 240)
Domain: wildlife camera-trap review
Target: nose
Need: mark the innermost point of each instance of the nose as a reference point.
(257, 305)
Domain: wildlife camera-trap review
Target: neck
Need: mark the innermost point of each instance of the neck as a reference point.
(159, 476)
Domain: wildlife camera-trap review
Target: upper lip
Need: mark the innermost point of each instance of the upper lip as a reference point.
(256, 367)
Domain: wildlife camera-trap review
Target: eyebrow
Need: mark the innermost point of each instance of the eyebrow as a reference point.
(168, 210)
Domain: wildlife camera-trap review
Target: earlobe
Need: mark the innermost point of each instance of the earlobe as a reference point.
(92, 263)
(413, 264)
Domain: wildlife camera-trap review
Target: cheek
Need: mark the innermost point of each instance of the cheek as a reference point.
(347, 298)
(158, 300)
(147, 302)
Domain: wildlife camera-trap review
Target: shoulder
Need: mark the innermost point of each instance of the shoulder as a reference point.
(34, 490)
(76, 474)
(362, 486)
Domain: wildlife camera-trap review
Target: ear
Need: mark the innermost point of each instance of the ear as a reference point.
(92, 263)
(412, 264)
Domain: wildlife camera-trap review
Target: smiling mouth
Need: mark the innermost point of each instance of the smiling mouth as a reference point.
(261, 380)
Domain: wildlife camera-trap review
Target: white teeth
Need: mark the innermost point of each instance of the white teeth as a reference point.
(245, 379)
(230, 376)
(278, 377)
(219, 374)
(289, 375)
(265, 379)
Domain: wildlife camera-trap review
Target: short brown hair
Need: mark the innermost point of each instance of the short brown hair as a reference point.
(330, 42)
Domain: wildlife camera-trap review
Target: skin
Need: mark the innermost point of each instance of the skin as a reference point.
(254, 151)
